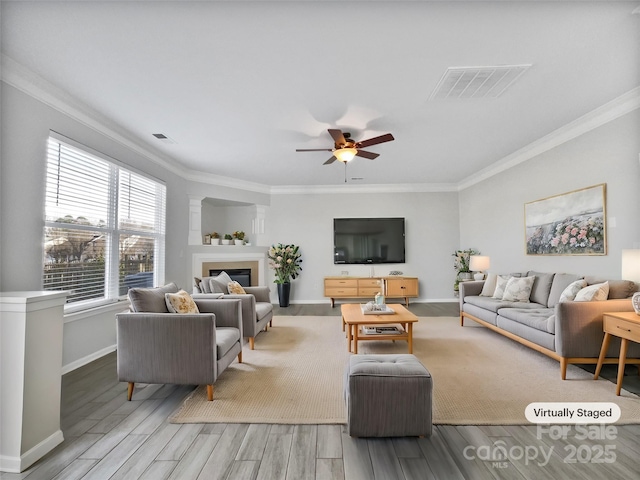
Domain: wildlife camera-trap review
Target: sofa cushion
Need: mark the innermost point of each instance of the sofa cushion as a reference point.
(569, 293)
(560, 282)
(150, 299)
(220, 283)
(518, 289)
(535, 318)
(202, 284)
(596, 293)
(235, 288)
(489, 285)
(180, 302)
(541, 286)
(495, 304)
(226, 338)
(501, 284)
(617, 288)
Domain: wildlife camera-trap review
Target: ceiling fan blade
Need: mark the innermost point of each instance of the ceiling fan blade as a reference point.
(337, 136)
(387, 137)
(331, 160)
(369, 155)
(314, 150)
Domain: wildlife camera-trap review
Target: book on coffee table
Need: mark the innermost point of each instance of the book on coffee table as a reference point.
(378, 310)
(380, 330)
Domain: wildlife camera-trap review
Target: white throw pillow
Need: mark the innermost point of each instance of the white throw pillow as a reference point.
(489, 286)
(596, 292)
(220, 283)
(180, 302)
(501, 283)
(518, 289)
(569, 293)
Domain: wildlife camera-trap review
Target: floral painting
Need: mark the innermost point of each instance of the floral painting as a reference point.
(569, 224)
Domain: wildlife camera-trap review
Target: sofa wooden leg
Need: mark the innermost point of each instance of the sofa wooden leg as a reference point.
(210, 393)
(251, 340)
(130, 390)
(240, 357)
(461, 321)
(271, 323)
(563, 368)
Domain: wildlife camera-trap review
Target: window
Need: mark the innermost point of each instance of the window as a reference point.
(104, 226)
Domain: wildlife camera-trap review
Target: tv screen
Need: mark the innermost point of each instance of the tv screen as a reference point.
(368, 240)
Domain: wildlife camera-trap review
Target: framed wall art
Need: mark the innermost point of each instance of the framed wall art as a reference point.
(572, 223)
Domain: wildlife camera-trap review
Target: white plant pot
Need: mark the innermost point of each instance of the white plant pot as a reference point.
(226, 242)
(237, 241)
(215, 241)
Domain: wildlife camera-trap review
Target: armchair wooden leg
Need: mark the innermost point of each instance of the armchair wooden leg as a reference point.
(271, 323)
(210, 393)
(240, 357)
(130, 390)
(251, 341)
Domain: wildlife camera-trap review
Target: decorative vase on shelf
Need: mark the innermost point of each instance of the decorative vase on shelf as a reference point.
(464, 275)
(237, 241)
(226, 241)
(635, 300)
(284, 290)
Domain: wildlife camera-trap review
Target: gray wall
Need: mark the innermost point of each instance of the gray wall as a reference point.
(431, 231)
(492, 212)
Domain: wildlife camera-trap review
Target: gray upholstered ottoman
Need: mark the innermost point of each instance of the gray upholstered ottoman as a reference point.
(387, 396)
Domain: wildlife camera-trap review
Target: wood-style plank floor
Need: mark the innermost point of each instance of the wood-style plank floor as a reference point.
(107, 437)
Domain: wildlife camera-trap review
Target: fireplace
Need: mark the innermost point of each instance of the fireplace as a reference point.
(240, 275)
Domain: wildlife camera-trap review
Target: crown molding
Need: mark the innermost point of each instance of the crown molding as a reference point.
(602, 115)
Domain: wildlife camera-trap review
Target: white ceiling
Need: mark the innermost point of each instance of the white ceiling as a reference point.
(240, 85)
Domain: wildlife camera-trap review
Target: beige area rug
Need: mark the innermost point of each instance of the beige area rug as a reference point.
(295, 376)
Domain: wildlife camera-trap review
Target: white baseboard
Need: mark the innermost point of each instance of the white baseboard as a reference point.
(20, 464)
(88, 359)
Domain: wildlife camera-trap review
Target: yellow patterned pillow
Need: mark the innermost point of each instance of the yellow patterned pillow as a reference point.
(235, 288)
(180, 302)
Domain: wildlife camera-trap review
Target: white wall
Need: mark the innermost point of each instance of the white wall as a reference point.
(492, 212)
(431, 232)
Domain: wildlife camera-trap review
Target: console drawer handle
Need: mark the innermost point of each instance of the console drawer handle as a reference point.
(625, 329)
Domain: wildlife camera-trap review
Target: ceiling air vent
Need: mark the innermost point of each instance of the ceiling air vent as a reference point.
(477, 82)
(162, 137)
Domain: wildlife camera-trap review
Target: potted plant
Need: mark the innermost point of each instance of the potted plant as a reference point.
(215, 238)
(227, 239)
(285, 260)
(238, 237)
(461, 265)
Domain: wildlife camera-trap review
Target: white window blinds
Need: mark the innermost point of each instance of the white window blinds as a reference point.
(104, 226)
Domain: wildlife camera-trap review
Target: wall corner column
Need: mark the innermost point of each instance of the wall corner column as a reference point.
(195, 220)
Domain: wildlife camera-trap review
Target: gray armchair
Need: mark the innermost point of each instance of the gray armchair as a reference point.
(185, 349)
(257, 310)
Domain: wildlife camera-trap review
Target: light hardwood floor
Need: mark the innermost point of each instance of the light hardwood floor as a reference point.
(107, 437)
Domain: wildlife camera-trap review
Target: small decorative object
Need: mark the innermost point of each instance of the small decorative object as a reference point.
(395, 272)
(238, 237)
(227, 239)
(379, 299)
(635, 300)
(207, 239)
(215, 238)
(285, 260)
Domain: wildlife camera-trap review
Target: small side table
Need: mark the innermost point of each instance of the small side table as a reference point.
(625, 325)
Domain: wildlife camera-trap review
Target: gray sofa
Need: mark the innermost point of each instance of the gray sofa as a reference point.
(570, 332)
(155, 346)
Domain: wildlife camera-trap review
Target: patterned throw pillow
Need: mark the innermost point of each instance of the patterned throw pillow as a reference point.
(235, 288)
(501, 283)
(180, 302)
(569, 293)
(596, 293)
(518, 289)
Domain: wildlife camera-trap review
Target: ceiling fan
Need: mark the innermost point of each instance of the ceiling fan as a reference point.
(345, 148)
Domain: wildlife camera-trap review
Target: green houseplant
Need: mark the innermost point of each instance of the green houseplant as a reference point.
(227, 239)
(238, 237)
(461, 265)
(285, 260)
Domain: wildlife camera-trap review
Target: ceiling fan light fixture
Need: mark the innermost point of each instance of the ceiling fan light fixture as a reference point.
(345, 154)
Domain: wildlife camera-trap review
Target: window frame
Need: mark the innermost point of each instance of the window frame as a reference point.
(112, 229)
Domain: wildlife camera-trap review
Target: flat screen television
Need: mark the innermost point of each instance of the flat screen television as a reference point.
(368, 240)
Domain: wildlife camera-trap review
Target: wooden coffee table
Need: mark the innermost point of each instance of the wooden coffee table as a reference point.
(353, 318)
